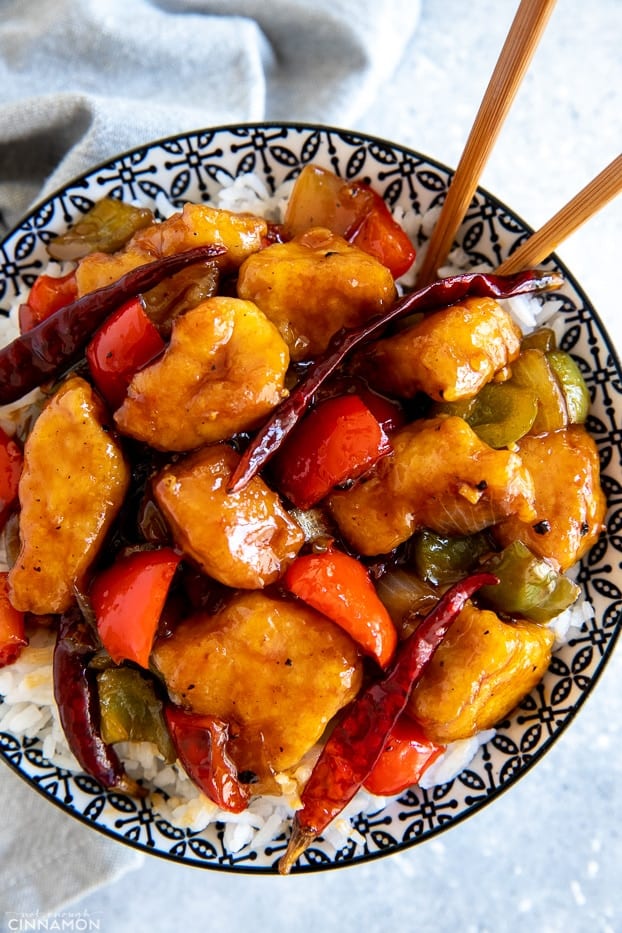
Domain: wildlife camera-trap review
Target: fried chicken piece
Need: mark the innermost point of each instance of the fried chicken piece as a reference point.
(440, 476)
(244, 539)
(275, 669)
(314, 285)
(73, 484)
(569, 502)
(450, 354)
(480, 671)
(222, 372)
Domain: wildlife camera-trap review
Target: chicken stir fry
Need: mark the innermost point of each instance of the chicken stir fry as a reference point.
(249, 619)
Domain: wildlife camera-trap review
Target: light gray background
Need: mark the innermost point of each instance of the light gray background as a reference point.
(546, 856)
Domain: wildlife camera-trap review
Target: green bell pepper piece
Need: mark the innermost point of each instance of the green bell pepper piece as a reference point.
(575, 392)
(542, 339)
(440, 560)
(528, 585)
(105, 228)
(130, 710)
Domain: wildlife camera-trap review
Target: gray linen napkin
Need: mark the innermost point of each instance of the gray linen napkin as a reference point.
(48, 859)
(81, 80)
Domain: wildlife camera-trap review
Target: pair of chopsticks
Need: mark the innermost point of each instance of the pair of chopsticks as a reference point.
(516, 54)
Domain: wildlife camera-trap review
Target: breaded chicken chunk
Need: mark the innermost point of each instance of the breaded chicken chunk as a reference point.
(480, 671)
(450, 354)
(244, 539)
(440, 476)
(72, 486)
(222, 372)
(314, 285)
(569, 502)
(195, 225)
(276, 670)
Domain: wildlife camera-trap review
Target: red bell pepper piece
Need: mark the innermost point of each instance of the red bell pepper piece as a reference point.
(357, 741)
(379, 234)
(12, 632)
(47, 295)
(127, 599)
(201, 745)
(388, 412)
(11, 463)
(124, 343)
(339, 586)
(403, 760)
(338, 441)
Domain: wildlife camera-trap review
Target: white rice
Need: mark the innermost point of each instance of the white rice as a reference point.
(27, 706)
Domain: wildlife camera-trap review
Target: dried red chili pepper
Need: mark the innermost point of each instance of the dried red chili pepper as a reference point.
(438, 294)
(75, 691)
(48, 348)
(358, 740)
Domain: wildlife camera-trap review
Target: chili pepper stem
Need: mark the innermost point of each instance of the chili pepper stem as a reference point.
(299, 841)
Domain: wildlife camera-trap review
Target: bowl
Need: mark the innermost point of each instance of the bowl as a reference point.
(193, 167)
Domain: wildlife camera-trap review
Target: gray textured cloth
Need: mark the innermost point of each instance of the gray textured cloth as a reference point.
(82, 80)
(48, 859)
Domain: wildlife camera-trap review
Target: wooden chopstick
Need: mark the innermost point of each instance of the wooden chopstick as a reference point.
(521, 42)
(605, 186)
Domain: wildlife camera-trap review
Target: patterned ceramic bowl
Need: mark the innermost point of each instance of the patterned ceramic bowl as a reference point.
(193, 167)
